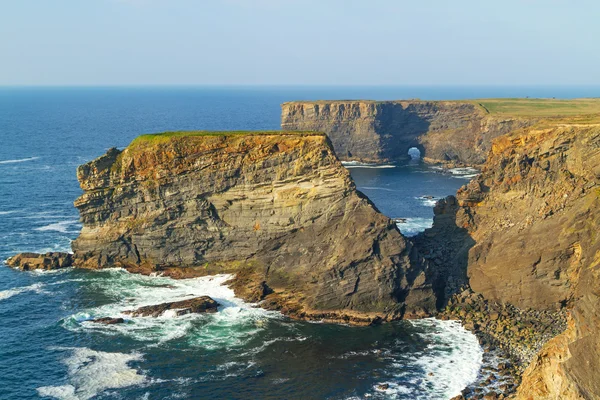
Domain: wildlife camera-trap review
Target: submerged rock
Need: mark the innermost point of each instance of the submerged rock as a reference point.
(203, 304)
(108, 320)
(47, 261)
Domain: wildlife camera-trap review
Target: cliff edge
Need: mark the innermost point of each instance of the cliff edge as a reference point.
(528, 240)
(277, 208)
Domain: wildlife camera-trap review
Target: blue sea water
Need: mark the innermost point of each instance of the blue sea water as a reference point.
(49, 350)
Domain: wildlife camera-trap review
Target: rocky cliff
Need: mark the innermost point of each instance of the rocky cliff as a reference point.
(277, 208)
(528, 238)
(369, 131)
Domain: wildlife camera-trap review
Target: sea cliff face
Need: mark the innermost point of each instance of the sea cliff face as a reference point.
(278, 209)
(369, 131)
(529, 226)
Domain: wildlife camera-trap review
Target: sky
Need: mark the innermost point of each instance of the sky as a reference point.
(299, 42)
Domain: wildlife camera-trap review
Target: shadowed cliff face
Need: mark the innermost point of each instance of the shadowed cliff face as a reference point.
(384, 131)
(281, 205)
(532, 219)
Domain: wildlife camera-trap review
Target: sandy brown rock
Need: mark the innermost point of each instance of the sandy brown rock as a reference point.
(47, 261)
(382, 131)
(197, 305)
(281, 205)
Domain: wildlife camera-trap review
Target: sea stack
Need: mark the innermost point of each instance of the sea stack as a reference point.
(276, 208)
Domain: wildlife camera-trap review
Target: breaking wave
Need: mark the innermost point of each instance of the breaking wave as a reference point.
(234, 324)
(62, 226)
(91, 372)
(7, 294)
(450, 363)
(414, 226)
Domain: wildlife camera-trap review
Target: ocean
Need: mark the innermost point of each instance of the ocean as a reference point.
(48, 349)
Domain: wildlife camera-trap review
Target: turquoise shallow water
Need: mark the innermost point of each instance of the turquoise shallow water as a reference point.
(47, 349)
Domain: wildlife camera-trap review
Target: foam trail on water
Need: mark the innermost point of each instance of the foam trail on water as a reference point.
(18, 160)
(376, 188)
(92, 372)
(62, 227)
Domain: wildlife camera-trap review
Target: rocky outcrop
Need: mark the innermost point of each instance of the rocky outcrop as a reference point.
(530, 244)
(382, 131)
(278, 206)
(46, 261)
(197, 305)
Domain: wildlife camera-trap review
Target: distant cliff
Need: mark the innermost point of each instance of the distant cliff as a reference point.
(382, 131)
(525, 233)
(277, 208)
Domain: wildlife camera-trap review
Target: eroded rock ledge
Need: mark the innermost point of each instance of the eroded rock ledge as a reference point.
(278, 206)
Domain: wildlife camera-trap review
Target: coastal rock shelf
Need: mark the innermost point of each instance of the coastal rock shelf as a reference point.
(277, 208)
(46, 261)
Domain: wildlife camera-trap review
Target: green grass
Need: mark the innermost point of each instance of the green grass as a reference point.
(153, 137)
(542, 108)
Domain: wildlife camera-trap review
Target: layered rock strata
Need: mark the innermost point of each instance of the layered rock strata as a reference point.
(383, 131)
(279, 208)
(530, 248)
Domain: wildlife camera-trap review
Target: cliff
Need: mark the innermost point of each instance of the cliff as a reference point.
(369, 131)
(276, 208)
(527, 238)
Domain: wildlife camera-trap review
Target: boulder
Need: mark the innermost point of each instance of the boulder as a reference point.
(108, 320)
(203, 304)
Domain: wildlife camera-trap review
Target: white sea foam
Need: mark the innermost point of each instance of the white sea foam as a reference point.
(6, 212)
(20, 160)
(464, 173)
(36, 287)
(413, 226)
(453, 359)
(92, 372)
(356, 164)
(234, 324)
(62, 226)
(459, 173)
(450, 362)
(428, 201)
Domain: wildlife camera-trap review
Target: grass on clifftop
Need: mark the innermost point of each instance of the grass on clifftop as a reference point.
(152, 137)
(543, 108)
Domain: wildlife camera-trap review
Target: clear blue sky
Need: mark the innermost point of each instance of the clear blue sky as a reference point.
(314, 42)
